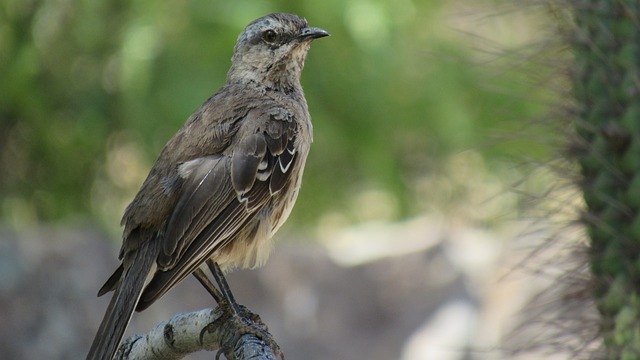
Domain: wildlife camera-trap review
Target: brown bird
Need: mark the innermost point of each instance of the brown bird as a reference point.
(224, 184)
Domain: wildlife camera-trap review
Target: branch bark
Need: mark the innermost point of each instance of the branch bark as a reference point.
(186, 333)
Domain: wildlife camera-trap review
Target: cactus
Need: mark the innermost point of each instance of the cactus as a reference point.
(606, 87)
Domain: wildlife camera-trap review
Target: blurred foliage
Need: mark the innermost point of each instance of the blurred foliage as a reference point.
(90, 90)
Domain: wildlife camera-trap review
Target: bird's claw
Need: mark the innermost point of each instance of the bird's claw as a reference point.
(238, 325)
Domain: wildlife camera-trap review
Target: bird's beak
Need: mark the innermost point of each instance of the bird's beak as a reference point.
(310, 33)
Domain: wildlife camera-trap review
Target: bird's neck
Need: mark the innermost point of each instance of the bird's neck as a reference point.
(282, 84)
(283, 76)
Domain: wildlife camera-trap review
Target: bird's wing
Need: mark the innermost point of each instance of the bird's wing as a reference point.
(220, 194)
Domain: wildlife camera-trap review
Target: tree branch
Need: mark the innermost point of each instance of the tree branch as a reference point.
(186, 333)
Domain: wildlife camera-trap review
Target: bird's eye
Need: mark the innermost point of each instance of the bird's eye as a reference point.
(269, 36)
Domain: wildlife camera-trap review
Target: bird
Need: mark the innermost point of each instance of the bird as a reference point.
(223, 184)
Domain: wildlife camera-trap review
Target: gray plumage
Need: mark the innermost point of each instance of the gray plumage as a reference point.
(225, 182)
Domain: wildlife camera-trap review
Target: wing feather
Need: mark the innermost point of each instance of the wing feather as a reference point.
(281, 173)
(204, 245)
(219, 196)
(205, 193)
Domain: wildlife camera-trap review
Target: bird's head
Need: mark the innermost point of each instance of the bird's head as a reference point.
(271, 51)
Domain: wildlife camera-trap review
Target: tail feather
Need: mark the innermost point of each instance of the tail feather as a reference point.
(122, 305)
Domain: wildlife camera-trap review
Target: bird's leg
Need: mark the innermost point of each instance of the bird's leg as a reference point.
(224, 298)
(227, 295)
(245, 321)
(225, 290)
(208, 285)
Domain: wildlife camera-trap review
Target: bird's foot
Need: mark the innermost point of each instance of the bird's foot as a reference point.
(236, 324)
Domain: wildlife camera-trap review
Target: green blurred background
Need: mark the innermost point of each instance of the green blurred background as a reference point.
(410, 100)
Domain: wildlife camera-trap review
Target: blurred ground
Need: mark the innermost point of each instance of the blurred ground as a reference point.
(451, 294)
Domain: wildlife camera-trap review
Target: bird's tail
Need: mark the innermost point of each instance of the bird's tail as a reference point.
(122, 305)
